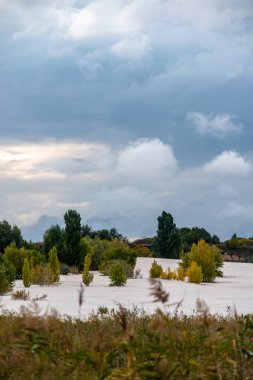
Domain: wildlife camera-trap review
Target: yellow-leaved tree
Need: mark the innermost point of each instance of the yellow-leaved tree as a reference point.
(54, 264)
(206, 256)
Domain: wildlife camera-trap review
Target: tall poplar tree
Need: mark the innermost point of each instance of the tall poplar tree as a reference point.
(72, 237)
(167, 242)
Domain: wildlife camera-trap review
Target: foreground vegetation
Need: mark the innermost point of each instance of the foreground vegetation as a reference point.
(127, 345)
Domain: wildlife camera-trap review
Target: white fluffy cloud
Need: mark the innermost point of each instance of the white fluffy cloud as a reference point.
(147, 160)
(228, 163)
(218, 126)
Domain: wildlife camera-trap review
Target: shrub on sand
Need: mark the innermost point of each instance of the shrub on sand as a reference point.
(42, 275)
(117, 275)
(156, 270)
(194, 273)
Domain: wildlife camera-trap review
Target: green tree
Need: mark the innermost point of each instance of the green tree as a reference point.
(12, 254)
(116, 235)
(215, 239)
(167, 242)
(17, 236)
(9, 234)
(119, 251)
(193, 235)
(54, 264)
(26, 274)
(233, 243)
(111, 234)
(104, 234)
(5, 235)
(86, 230)
(54, 237)
(98, 247)
(72, 237)
(7, 276)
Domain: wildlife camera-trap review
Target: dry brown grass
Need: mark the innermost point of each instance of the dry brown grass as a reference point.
(126, 344)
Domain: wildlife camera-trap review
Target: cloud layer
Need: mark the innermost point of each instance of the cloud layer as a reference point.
(83, 81)
(125, 69)
(126, 188)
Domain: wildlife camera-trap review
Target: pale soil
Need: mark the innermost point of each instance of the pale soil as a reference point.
(234, 290)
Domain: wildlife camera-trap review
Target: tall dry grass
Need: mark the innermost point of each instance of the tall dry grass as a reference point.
(126, 344)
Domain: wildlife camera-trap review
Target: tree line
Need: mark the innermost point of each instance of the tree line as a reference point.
(78, 248)
(169, 241)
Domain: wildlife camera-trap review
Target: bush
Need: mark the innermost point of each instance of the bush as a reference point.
(74, 270)
(119, 251)
(35, 257)
(143, 251)
(105, 267)
(194, 273)
(40, 298)
(156, 270)
(87, 275)
(233, 243)
(87, 278)
(20, 295)
(16, 256)
(167, 274)
(208, 257)
(26, 274)
(64, 269)
(42, 275)
(102, 310)
(177, 274)
(117, 275)
(98, 247)
(137, 273)
(180, 274)
(54, 264)
(4, 283)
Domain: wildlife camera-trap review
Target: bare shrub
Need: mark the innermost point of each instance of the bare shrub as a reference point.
(20, 295)
(42, 275)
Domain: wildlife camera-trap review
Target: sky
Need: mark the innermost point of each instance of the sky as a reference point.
(121, 109)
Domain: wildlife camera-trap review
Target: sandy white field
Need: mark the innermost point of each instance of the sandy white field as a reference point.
(234, 290)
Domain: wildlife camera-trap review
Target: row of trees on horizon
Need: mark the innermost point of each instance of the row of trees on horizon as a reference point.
(168, 242)
(77, 248)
